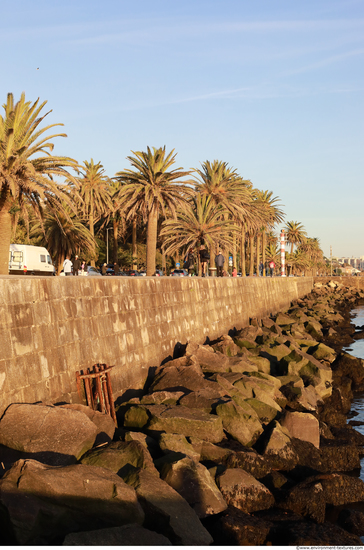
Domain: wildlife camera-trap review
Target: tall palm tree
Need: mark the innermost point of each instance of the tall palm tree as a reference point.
(63, 233)
(94, 194)
(152, 187)
(27, 166)
(295, 233)
(199, 222)
(229, 190)
(271, 214)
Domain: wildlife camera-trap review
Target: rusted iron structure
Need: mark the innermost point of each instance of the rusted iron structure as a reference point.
(98, 390)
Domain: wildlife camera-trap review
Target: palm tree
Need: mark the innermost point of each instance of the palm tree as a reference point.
(93, 195)
(63, 233)
(150, 188)
(199, 222)
(228, 189)
(271, 214)
(295, 233)
(27, 166)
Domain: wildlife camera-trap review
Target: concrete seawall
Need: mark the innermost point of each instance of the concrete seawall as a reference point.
(53, 326)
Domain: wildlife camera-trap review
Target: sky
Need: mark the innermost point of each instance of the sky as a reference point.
(273, 87)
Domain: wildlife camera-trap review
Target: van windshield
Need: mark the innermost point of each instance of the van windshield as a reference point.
(49, 260)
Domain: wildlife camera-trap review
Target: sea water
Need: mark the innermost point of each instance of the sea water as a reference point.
(357, 350)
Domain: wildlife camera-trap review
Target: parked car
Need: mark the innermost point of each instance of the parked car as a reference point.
(93, 272)
(158, 273)
(179, 273)
(143, 273)
(132, 273)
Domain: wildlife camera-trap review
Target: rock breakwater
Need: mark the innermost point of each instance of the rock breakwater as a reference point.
(242, 441)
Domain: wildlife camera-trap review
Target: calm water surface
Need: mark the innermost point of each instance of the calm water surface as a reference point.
(357, 349)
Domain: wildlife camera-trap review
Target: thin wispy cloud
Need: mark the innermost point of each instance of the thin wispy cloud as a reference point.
(325, 62)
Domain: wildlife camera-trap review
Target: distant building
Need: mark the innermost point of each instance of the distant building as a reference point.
(356, 263)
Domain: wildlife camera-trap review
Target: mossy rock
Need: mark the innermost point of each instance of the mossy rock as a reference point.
(265, 412)
(322, 353)
(136, 417)
(244, 343)
(262, 363)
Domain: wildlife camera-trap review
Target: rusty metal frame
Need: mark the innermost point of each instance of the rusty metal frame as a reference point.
(99, 396)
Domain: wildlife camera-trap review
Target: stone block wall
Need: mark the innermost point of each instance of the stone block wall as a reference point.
(53, 326)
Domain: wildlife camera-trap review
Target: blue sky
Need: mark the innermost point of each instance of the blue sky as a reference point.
(273, 87)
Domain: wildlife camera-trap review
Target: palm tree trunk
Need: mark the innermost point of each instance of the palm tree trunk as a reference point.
(235, 262)
(258, 254)
(242, 252)
(92, 231)
(164, 261)
(152, 240)
(60, 262)
(263, 251)
(5, 232)
(251, 239)
(134, 244)
(115, 227)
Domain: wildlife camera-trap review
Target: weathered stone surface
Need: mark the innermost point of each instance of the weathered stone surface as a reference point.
(126, 535)
(136, 417)
(167, 512)
(245, 458)
(309, 534)
(278, 449)
(283, 320)
(332, 456)
(45, 503)
(119, 456)
(53, 435)
(323, 353)
(104, 423)
(226, 346)
(183, 379)
(185, 421)
(310, 497)
(352, 367)
(302, 426)
(162, 398)
(352, 521)
(236, 528)
(314, 328)
(241, 423)
(243, 491)
(207, 400)
(209, 451)
(178, 444)
(194, 483)
(266, 413)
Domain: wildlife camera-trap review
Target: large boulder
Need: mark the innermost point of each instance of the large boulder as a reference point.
(278, 448)
(185, 421)
(104, 423)
(236, 528)
(240, 421)
(194, 483)
(167, 512)
(205, 399)
(302, 426)
(119, 456)
(176, 443)
(243, 491)
(125, 535)
(180, 378)
(54, 435)
(45, 503)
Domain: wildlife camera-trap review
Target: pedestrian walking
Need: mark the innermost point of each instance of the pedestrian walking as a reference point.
(76, 266)
(235, 272)
(272, 266)
(204, 258)
(116, 268)
(103, 269)
(67, 267)
(261, 267)
(189, 262)
(219, 262)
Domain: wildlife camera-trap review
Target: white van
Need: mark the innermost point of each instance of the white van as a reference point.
(25, 259)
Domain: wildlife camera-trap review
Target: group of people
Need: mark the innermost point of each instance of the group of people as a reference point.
(204, 256)
(74, 267)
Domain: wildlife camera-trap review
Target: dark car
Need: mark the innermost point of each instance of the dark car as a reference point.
(132, 273)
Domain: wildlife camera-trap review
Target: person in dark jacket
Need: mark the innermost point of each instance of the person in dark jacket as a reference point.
(116, 268)
(219, 262)
(103, 269)
(76, 266)
(204, 258)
